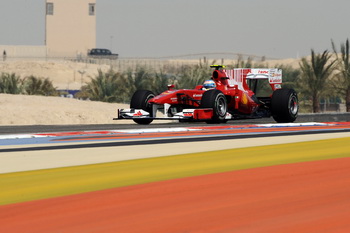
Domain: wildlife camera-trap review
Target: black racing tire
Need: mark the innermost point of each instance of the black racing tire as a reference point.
(216, 100)
(284, 105)
(139, 100)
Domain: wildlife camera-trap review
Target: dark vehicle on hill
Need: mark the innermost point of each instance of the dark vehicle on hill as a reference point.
(102, 54)
(230, 94)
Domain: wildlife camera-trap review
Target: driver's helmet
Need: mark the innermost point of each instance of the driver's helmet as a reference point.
(208, 85)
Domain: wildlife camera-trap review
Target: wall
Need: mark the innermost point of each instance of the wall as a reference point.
(23, 51)
(70, 31)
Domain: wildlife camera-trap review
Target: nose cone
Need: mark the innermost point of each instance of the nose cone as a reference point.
(169, 96)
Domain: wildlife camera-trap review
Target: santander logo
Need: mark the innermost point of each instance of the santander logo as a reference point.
(263, 72)
(138, 113)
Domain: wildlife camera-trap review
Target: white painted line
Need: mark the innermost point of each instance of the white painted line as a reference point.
(158, 130)
(128, 131)
(153, 130)
(294, 124)
(22, 136)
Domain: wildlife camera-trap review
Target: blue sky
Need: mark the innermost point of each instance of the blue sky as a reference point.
(156, 28)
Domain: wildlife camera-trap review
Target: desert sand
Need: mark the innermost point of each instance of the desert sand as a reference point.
(63, 74)
(41, 110)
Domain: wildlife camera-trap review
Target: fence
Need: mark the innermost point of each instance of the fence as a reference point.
(125, 63)
(122, 64)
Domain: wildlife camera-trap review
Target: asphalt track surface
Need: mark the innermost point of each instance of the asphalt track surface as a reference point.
(18, 129)
(293, 186)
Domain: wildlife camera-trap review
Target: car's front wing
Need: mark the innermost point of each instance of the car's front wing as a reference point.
(186, 114)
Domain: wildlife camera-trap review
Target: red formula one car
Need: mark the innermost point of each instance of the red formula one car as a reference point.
(230, 94)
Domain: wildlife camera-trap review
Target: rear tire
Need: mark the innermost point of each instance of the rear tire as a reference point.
(284, 105)
(139, 100)
(216, 100)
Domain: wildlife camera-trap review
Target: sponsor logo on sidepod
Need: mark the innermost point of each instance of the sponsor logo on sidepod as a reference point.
(197, 95)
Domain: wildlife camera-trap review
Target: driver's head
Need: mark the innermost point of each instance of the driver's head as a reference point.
(208, 85)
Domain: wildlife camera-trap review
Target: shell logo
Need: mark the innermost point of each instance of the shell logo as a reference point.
(244, 99)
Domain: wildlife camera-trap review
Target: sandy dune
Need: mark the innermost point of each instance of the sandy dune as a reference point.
(63, 74)
(39, 110)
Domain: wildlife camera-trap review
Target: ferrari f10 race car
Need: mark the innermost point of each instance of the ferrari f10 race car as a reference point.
(228, 95)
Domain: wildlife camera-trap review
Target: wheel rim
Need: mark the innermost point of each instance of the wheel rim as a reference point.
(293, 105)
(147, 105)
(221, 106)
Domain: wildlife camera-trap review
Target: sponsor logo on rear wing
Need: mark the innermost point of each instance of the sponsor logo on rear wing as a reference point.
(236, 76)
(273, 75)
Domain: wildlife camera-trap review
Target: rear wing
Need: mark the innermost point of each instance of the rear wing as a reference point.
(236, 77)
(273, 75)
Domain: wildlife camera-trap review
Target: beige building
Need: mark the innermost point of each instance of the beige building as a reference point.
(70, 27)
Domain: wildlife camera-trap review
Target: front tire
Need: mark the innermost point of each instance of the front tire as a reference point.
(284, 105)
(216, 100)
(139, 100)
